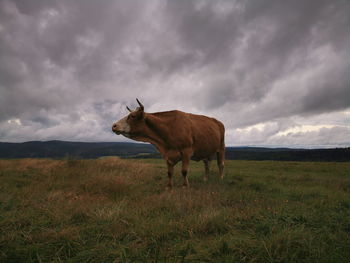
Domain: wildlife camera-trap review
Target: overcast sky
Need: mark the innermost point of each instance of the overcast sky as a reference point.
(276, 73)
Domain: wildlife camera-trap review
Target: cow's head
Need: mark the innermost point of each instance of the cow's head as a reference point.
(131, 125)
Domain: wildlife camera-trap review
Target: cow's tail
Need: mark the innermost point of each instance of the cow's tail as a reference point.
(221, 152)
(222, 135)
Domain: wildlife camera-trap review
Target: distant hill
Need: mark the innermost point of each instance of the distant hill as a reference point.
(64, 149)
(61, 149)
(287, 154)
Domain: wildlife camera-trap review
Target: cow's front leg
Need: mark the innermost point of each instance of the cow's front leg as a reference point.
(184, 170)
(170, 174)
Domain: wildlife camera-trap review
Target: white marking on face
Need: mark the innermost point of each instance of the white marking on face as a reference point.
(122, 127)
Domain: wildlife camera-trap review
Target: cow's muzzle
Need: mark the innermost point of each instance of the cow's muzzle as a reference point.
(116, 129)
(121, 127)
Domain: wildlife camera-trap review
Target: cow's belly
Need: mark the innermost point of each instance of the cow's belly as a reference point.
(202, 153)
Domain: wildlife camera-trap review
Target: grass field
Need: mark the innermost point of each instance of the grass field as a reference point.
(113, 210)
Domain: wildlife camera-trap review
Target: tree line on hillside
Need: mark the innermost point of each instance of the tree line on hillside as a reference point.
(63, 149)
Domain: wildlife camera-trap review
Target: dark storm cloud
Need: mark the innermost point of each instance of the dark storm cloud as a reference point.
(68, 68)
(259, 43)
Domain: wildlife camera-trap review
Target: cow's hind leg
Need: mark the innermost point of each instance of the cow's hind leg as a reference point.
(221, 162)
(207, 167)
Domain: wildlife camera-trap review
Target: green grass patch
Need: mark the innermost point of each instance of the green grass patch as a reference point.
(113, 210)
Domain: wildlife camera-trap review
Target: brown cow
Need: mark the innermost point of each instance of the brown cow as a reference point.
(178, 136)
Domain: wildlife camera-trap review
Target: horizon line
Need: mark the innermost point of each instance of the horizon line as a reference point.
(303, 147)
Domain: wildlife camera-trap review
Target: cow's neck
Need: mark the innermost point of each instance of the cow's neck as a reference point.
(155, 132)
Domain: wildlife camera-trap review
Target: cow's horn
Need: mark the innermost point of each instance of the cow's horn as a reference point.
(141, 106)
(128, 109)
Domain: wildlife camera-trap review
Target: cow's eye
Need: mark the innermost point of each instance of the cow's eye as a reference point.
(132, 116)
